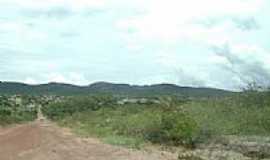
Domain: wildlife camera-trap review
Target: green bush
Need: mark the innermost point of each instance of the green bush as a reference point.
(11, 114)
(17, 109)
(179, 128)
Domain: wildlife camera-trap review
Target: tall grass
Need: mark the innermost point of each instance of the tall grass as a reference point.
(230, 117)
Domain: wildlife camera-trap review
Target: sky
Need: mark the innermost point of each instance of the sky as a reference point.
(206, 43)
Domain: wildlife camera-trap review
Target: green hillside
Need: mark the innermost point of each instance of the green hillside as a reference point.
(11, 88)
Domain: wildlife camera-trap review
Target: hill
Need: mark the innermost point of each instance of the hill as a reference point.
(108, 88)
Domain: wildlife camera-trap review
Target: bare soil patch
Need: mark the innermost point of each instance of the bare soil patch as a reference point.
(43, 140)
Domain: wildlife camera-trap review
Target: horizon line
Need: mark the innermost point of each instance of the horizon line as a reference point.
(117, 83)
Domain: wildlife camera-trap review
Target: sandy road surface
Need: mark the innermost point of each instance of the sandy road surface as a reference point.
(43, 140)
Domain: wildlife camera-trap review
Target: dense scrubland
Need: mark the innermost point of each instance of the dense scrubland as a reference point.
(164, 120)
(22, 108)
(14, 109)
(125, 124)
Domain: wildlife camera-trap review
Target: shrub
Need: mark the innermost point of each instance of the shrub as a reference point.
(179, 128)
(16, 114)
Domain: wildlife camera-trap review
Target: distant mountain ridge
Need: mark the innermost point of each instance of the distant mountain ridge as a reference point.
(108, 88)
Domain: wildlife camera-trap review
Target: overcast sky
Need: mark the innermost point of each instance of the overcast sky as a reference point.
(213, 43)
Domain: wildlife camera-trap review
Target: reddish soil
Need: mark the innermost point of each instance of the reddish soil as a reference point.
(43, 140)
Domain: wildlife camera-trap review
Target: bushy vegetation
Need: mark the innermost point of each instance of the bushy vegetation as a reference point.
(72, 105)
(171, 121)
(245, 114)
(133, 123)
(16, 110)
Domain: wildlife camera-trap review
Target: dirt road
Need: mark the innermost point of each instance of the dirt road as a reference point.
(43, 140)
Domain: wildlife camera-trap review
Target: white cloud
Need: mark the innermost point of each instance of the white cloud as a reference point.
(187, 78)
(75, 5)
(71, 78)
(172, 20)
(167, 59)
(247, 62)
(30, 80)
(155, 79)
(202, 24)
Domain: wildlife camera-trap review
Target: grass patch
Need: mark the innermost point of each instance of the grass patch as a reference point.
(129, 142)
(220, 117)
